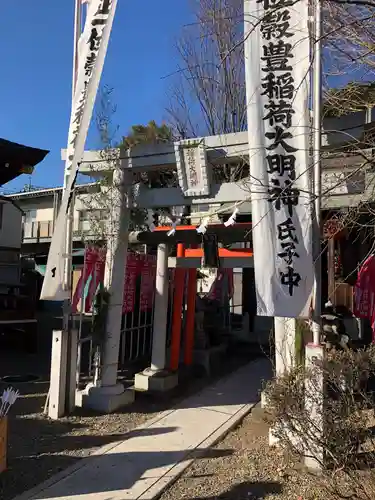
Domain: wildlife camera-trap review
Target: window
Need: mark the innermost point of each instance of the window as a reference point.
(204, 208)
(200, 208)
(30, 215)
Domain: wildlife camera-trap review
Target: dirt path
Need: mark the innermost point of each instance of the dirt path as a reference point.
(251, 471)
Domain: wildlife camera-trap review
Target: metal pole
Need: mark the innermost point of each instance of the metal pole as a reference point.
(317, 143)
(69, 222)
(68, 327)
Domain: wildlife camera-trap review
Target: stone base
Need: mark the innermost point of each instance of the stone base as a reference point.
(104, 399)
(149, 380)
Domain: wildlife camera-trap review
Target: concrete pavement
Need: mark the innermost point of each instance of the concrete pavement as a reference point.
(156, 454)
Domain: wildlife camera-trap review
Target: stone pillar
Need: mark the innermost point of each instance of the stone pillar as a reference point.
(159, 339)
(285, 338)
(314, 404)
(107, 395)
(71, 366)
(57, 388)
(114, 279)
(157, 377)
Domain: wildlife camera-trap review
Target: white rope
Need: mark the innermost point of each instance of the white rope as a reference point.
(232, 219)
(202, 229)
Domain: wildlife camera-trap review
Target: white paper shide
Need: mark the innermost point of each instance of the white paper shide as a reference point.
(277, 59)
(92, 50)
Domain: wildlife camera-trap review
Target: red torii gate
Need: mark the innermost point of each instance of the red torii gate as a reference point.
(184, 236)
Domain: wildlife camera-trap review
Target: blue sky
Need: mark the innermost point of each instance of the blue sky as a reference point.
(36, 56)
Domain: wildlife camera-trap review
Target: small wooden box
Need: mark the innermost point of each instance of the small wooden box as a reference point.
(3, 443)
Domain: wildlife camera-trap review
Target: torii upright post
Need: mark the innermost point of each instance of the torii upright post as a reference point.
(178, 299)
(315, 351)
(157, 377)
(107, 394)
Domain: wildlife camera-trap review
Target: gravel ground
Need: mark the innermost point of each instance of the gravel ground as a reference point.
(39, 447)
(247, 469)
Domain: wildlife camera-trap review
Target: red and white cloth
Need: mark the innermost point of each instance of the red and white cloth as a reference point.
(364, 293)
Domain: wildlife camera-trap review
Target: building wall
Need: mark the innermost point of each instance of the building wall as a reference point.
(10, 226)
(37, 209)
(10, 237)
(198, 212)
(41, 210)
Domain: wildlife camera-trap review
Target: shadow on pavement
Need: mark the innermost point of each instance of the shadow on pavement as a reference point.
(40, 448)
(114, 472)
(47, 451)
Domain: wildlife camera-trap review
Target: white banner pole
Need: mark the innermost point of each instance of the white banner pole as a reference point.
(277, 65)
(317, 125)
(93, 48)
(67, 284)
(77, 35)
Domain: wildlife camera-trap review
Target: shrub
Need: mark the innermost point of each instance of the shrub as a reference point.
(344, 405)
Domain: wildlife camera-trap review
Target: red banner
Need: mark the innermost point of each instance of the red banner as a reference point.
(148, 275)
(97, 277)
(137, 265)
(364, 292)
(90, 257)
(132, 271)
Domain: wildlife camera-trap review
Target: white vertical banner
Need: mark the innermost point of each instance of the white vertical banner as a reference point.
(92, 51)
(277, 64)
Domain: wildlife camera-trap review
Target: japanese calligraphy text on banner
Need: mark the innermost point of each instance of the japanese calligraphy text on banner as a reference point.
(148, 276)
(133, 266)
(93, 45)
(277, 63)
